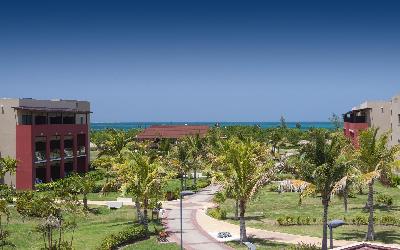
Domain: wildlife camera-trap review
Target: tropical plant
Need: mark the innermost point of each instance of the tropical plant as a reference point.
(374, 159)
(197, 153)
(142, 176)
(324, 162)
(247, 166)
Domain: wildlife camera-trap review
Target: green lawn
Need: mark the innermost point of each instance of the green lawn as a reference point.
(267, 206)
(152, 244)
(89, 234)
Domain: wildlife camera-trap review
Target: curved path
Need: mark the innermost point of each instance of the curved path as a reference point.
(200, 230)
(194, 237)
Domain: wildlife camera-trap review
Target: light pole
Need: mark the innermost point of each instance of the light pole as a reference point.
(333, 224)
(183, 193)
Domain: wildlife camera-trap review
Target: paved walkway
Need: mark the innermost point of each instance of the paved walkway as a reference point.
(194, 237)
(200, 230)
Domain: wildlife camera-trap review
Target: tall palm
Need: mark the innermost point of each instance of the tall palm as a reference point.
(374, 157)
(323, 163)
(141, 175)
(197, 153)
(181, 160)
(248, 166)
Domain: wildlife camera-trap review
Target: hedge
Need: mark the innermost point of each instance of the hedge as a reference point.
(128, 235)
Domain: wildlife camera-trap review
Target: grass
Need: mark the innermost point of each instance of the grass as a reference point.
(153, 244)
(267, 206)
(92, 228)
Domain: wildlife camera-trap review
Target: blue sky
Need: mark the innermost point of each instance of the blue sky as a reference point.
(202, 60)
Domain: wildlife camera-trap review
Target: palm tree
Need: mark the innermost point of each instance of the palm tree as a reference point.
(197, 151)
(374, 157)
(248, 166)
(7, 165)
(181, 159)
(323, 163)
(141, 175)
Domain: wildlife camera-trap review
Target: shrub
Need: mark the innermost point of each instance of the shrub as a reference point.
(395, 180)
(219, 197)
(217, 213)
(359, 220)
(299, 220)
(128, 235)
(384, 200)
(273, 188)
(389, 220)
(305, 246)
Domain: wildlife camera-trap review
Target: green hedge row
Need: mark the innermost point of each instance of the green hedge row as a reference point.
(357, 220)
(128, 235)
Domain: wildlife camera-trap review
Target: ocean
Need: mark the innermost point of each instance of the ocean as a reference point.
(130, 125)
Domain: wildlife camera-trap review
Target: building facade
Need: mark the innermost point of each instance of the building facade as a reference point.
(384, 115)
(49, 138)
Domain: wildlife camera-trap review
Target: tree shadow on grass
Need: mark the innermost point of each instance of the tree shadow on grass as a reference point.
(385, 236)
(260, 243)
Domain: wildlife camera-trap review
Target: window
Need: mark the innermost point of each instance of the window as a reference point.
(399, 118)
(382, 110)
(81, 120)
(26, 119)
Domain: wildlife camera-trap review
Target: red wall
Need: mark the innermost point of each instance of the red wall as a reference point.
(356, 128)
(25, 138)
(24, 155)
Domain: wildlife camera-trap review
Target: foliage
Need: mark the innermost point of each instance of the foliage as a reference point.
(374, 160)
(142, 176)
(337, 121)
(305, 246)
(323, 163)
(299, 220)
(128, 235)
(217, 213)
(246, 166)
(219, 197)
(384, 200)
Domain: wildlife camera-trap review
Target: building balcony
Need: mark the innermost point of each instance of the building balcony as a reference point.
(40, 156)
(68, 153)
(55, 155)
(355, 119)
(81, 151)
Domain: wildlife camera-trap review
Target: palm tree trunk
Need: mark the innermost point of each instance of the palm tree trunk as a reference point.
(243, 234)
(195, 177)
(370, 233)
(237, 210)
(325, 203)
(345, 196)
(139, 214)
(85, 202)
(145, 221)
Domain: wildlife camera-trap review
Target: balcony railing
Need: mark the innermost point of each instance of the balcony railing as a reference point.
(81, 151)
(68, 152)
(55, 154)
(355, 119)
(40, 156)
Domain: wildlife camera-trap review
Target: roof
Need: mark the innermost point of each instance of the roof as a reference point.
(368, 246)
(172, 131)
(47, 109)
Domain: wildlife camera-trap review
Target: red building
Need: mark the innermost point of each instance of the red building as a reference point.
(50, 139)
(368, 114)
